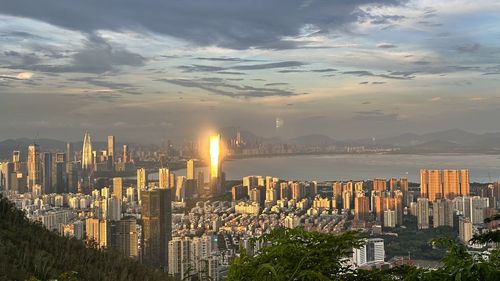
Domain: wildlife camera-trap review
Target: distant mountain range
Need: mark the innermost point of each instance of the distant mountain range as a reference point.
(448, 141)
(453, 140)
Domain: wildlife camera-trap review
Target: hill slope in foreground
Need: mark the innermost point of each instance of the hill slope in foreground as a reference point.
(28, 251)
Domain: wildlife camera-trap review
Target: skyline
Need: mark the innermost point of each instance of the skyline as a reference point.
(354, 69)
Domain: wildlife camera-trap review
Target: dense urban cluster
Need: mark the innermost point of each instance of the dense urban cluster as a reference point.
(190, 227)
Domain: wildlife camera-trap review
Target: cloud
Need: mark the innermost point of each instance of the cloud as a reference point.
(19, 76)
(468, 48)
(225, 23)
(363, 73)
(96, 56)
(386, 46)
(282, 64)
(221, 87)
(324, 70)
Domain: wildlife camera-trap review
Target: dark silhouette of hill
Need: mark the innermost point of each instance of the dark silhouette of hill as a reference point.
(28, 251)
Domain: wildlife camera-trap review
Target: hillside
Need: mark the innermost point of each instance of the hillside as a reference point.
(28, 251)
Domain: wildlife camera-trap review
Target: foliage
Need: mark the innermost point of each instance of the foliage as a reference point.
(28, 251)
(295, 254)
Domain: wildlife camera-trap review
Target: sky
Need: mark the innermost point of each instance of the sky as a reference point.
(151, 70)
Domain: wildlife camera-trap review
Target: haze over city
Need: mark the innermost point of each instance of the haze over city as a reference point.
(346, 69)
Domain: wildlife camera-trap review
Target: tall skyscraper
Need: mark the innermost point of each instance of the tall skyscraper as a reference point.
(69, 152)
(190, 169)
(16, 160)
(59, 173)
(142, 180)
(118, 187)
(111, 148)
(46, 161)
(215, 164)
(126, 154)
(164, 178)
(157, 226)
(403, 184)
(34, 167)
(464, 183)
(124, 237)
(87, 155)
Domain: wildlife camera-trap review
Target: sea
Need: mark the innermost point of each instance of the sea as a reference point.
(483, 168)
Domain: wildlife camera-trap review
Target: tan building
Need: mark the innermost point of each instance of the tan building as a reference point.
(379, 185)
(118, 188)
(443, 184)
(361, 208)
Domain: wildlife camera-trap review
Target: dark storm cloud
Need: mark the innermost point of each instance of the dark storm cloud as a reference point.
(221, 87)
(97, 56)
(21, 59)
(225, 23)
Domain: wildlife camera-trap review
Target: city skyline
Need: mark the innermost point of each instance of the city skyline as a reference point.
(347, 69)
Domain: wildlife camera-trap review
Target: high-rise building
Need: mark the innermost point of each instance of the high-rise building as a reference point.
(423, 213)
(180, 189)
(156, 215)
(215, 163)
(142, 180)
(46, 160)
(442, 213)
(190, 169)
(372, 251)
(70, 152)
(7, 176)
(346, 200)
(124, 237)
(114, 208)
(464, 183)
(465, 230)
(97, 231)
(111, 149)
(403, 184)
(393, 184)
(379, 185)
(126, 154)
(164, 178)
(443, 184)
(34, 166)
(87, 155)
(59, 176)
(118, 187)
(361, 208)
(180, 258)
(390, 218)
(16, 160)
